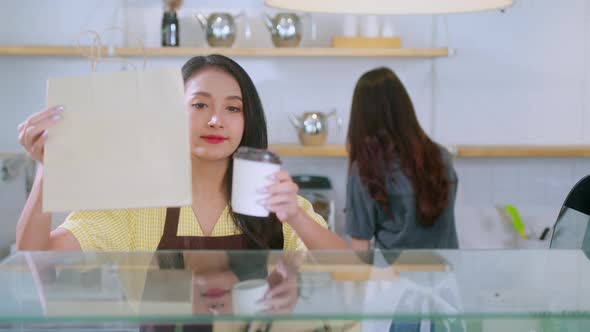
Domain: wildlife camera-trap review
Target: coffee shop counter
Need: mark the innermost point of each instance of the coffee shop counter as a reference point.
(446, 290)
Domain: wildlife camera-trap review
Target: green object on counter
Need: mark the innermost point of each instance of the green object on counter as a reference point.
(516, 220)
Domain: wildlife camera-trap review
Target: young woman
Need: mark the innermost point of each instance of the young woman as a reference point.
(224, 113)
(402, 185)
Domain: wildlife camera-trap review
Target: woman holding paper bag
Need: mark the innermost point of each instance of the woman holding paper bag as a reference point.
(224, 113)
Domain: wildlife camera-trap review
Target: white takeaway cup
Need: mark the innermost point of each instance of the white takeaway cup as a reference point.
(252, 172)
(246, 296)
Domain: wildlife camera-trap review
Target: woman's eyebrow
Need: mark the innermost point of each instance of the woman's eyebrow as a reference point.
(234, 97)
(207, 94)
(201, 93)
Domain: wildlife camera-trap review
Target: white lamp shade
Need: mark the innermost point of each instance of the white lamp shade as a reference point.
(389, 7)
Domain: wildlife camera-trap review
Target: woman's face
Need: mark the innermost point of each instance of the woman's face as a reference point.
(216, 114)
(212, 282)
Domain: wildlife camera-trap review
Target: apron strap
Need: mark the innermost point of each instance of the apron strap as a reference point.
(171, 223)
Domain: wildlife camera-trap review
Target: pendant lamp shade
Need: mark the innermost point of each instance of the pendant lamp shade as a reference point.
(389, 7)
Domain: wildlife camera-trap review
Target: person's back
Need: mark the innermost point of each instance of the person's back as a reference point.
(402, 230)
(402, 185)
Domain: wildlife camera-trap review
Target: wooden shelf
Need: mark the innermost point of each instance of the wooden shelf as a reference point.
(254, 52)
(295, 150)
(44, 50)
(524, 151)
(461, 151)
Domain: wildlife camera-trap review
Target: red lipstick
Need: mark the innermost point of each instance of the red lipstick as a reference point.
(214, 293)
(213, 139)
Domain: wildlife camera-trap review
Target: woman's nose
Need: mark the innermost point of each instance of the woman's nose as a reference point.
(214, 121)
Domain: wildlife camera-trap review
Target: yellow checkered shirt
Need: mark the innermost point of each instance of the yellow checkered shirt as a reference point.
(141, 229)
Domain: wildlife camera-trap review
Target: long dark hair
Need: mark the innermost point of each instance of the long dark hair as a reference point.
(266, 233)
(383, 128)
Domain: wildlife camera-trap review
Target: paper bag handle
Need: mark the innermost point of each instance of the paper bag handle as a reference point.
(96, 48)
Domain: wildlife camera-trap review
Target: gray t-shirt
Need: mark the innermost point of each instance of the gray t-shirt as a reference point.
(366, 219)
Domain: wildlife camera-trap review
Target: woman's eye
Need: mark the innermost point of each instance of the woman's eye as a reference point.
(233, 109)
(199, 105)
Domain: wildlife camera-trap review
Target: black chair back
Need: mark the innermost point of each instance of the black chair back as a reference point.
(579, 197)
(571, 229)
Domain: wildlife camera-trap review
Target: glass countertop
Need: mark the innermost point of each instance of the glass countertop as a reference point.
(198, 286)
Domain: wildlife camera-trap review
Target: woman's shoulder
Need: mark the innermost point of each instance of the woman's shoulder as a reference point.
(150, 213)
(115, 215)
(353, 170)
(445, 153)
(115, 229)
(447, 160)
(101, 215)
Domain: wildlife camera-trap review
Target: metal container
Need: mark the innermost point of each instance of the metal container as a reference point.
(220, 28)
(312, 127)
(285, 29)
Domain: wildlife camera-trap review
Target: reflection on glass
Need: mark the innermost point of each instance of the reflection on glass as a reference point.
(207, 281)
(442, 288)
(175, 283)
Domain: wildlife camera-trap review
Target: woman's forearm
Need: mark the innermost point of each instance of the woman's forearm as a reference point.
(313, 235)
(34, 227)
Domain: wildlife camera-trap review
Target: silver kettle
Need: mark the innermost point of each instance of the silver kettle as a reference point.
(220, 28)
(285, 29)
(312, 127)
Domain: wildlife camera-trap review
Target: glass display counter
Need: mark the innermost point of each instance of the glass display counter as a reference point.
(440, 290)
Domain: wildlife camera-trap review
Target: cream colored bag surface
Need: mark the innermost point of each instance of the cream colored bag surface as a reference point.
(122, 142)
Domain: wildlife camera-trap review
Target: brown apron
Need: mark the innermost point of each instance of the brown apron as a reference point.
(171, 241)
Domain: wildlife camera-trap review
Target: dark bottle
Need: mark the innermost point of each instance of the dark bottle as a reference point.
(170, 29)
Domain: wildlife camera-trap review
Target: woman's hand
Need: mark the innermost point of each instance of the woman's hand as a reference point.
(282, 197)
(282, 200)
(284, 289)
(32, 134)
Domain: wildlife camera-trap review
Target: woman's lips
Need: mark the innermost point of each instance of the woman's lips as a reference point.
(213, 139)
(215, 293)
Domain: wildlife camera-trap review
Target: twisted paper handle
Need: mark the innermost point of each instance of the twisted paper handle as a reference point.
(96, 48)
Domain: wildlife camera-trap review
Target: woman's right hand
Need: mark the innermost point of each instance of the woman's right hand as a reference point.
(32, 134)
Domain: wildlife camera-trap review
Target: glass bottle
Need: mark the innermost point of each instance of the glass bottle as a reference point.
(170, 29)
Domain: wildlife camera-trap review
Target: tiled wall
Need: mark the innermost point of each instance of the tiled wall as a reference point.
(537, 187)
(12, 199)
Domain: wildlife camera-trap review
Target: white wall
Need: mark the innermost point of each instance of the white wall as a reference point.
(519, 78)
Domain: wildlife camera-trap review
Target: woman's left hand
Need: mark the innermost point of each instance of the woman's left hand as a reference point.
(282, 197)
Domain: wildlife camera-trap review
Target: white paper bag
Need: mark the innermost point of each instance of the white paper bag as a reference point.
(122, 142)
